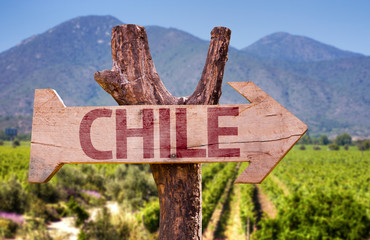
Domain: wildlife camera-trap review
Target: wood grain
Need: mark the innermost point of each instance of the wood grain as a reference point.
(265, 131)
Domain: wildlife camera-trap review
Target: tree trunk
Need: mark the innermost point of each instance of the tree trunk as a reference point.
(133, 80)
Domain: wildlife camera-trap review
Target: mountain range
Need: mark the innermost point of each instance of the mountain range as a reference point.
(324, 86)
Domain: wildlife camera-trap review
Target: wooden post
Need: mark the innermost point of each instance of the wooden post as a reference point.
(133, 80)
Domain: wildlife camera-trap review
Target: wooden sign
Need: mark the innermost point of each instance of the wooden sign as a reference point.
(261, 133)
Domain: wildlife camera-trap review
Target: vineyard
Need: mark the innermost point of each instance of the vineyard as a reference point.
(311, 194)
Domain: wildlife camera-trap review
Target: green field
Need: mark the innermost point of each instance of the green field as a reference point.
(320, 194)
(311, 194)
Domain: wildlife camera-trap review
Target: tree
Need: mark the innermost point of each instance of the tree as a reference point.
(324, 140)
(363, 145)
(343, 139)
(133, 80)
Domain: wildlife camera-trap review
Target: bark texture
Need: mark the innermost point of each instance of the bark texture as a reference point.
(133, 80)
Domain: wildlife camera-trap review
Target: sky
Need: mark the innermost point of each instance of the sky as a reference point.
(343, 24)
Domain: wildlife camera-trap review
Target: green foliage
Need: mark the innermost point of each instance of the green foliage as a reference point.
(1, 142)
(8, 228)
(16, 143)
(12, 197)
(101, 229)
(247, 207)
(363, 145)
(71, 177)
(333, 147)
(213, 191)
(106, 226)
(319, 215)
(151, 214)
(306, 139)
(343, 139)
(47, 192)
(35, 229)
(132, 185)
(325, 196)
(317, 148)
(298, 186)
(209, 170)
(39, 209)
(324, 140)
(302, 147)
(81, 214)
(14, 162)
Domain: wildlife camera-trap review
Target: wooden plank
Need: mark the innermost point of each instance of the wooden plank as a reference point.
(261, 132)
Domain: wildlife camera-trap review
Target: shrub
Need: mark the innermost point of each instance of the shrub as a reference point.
(75, 208)
(8, 228)
(366, 144)
(12, 197)
(101, 228)
(302, 147)
(136, 188)
(317, 148)
(363, 145)
(151, 216)
(1, 142)
(346, 147)
(333, 147)
(33, 229)
(46, 192)
(39, 209)
(16, 143)
(71, 177)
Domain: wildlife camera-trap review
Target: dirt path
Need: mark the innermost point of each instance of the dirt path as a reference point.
(216, 216)
(266, 205)
(226, 215)
(65, 229)
(234, 228)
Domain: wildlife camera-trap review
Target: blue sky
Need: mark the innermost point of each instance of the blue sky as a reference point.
(344, 24)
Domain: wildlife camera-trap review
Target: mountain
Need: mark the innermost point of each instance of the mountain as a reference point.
(287, 47)
(64, 58)
(325, 87)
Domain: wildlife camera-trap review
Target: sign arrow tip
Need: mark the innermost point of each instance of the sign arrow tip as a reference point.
(287, 132)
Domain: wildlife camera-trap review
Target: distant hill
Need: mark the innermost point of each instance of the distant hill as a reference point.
(324, 86)
(284, 46)
(64, 58)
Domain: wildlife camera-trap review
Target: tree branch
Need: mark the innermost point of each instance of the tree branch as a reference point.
(208, 91)
(133, 79)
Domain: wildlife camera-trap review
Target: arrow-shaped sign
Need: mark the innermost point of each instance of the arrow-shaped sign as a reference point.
(261, 133)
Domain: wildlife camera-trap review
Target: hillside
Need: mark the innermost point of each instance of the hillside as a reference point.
(286, 47)
(324, 86)
(64, 58)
